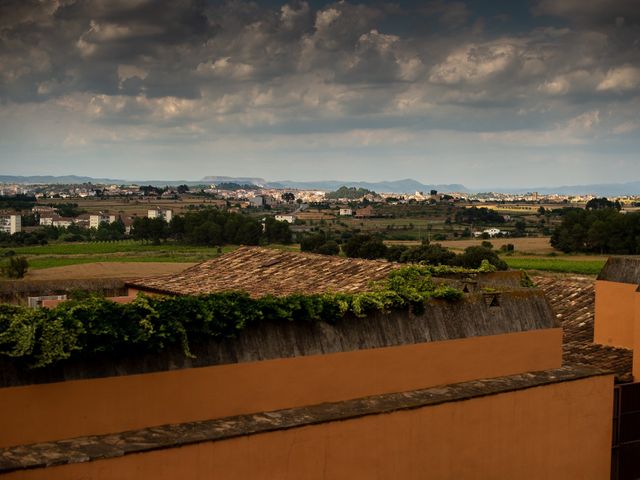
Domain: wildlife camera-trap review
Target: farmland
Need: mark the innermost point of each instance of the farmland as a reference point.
(99, 270)
(559, 265)
(64, 254)
(525, 245)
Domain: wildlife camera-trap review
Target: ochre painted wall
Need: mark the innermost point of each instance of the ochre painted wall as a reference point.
(615, 312)
(548, 432)
(636, 347)
(39, 413)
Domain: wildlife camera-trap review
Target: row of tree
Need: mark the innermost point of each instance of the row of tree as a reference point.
(212, 227)
(372, 247)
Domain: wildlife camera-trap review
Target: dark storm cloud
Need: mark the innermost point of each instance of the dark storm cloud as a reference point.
(189, 49)
(591, 12)
(539, 73)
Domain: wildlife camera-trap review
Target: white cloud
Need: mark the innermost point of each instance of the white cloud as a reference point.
(620, 79)
(475, 63)
(579, 80)
(225, 68)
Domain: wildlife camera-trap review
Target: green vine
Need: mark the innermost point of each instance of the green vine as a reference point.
(95, 325)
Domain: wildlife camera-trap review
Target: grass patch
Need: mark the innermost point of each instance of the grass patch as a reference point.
(61, 255)
(125, 246)
(560, 265)
(50, 262)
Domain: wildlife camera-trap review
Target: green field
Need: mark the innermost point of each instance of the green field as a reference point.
(560, 265)
(97, 248)
(37, 263)
(63, 254)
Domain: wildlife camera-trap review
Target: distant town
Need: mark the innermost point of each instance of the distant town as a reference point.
(53, 204)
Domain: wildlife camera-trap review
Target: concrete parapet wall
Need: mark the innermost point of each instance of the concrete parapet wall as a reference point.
(45, 412)
(548, 432)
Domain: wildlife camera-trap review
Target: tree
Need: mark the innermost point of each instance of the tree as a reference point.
(321, 243)
(276, 232)
(207, 233)
(365, 246)
(394, 252)
(476, 215)
(521, 228)
(602, 203)
(330, 247)
(182, 189)
(16, 267)
(432, 254)
(473, 257)
(288, 197)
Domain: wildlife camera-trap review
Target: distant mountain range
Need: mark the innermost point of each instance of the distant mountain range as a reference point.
(75, 179)
(398, 186)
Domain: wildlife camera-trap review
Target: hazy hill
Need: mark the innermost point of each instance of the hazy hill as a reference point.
(398, 186)
(51, 179)
(239, 180)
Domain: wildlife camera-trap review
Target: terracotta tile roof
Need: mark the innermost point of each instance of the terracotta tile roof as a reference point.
(573, 300)
(262, 271)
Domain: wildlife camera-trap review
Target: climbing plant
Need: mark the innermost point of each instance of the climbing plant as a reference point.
(95, 325)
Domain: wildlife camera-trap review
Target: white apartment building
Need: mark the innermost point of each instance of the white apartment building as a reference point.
(346, 212)
(96, 219)
(285, 218)
(10, 224)
(167, 214)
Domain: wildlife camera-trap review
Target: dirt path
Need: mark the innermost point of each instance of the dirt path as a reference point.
(124, 270)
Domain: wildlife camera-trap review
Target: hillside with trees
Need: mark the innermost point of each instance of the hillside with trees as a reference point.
(351, 193)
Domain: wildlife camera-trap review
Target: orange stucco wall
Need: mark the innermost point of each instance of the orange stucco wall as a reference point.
(636, 347)
(615, 313)
(548, 432)
(38, 413)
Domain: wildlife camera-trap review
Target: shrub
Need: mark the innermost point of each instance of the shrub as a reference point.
(330, 247)
(365, 246)
(473, 257)
(432, 254)
(16, 267)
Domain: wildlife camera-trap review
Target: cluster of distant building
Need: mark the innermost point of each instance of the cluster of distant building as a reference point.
(258, 196)
(49, 217)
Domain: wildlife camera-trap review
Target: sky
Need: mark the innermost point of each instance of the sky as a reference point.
(486, 94)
